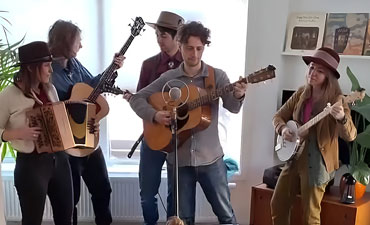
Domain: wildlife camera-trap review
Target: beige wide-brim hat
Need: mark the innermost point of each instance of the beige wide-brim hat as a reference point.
(169, 20)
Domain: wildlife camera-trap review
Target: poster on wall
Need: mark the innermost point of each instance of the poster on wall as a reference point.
(305, 32)
(345, 32)
(367, 40)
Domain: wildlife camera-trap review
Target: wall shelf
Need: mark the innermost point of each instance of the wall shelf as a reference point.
(341, 56)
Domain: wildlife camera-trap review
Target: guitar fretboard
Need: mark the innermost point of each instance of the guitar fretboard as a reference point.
(256, 77)
(108, 75)
(213, 95)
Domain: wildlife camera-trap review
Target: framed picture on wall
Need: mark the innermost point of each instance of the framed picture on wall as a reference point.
(305, 32)
(345, 32)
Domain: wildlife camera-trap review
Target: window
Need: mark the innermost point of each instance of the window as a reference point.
(104, 31)
(227, 21)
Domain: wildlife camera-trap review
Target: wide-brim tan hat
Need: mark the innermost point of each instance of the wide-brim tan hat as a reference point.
(169, 20)
(326, 57)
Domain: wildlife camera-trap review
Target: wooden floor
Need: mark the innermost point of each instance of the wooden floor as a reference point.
(85, 223)
(92, 223)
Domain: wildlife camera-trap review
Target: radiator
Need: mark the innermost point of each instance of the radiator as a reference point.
(125, 202)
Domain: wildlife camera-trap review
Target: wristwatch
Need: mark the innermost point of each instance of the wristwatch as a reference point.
(343, 121)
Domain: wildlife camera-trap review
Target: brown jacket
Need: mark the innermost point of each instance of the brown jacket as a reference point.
(327, 130)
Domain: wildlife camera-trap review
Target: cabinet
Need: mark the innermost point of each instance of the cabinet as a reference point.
(332, 211)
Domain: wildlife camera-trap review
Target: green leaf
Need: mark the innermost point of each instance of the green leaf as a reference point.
(362, 108)
(354, 81)
(361, 172)
(364, 138)
(3, 151)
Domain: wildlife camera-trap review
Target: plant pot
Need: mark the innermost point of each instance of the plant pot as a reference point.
(360, 190)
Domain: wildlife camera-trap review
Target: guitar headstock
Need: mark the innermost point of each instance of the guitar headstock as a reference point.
(113, 90)
(137, 26)
(354, 96)
(260, 75)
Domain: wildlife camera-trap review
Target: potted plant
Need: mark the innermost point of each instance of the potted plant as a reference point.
(8, 58)
(358, 167)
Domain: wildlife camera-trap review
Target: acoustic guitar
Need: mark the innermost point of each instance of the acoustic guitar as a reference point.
(195, 114)
(286, 150)
(84, 92)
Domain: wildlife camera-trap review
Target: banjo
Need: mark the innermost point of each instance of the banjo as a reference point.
(286, 150)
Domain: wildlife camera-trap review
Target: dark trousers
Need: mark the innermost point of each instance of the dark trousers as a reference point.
(38, 175)
(150, 169)
(93, 170)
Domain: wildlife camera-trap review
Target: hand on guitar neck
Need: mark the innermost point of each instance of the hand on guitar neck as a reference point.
(239, 89)
(337, 111)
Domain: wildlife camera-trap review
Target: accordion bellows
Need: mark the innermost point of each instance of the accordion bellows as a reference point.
(64, 125)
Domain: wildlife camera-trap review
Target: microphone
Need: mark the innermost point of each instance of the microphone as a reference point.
(175, 93)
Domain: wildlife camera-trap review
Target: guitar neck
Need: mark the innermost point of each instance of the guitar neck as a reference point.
(256, 77)
(112, 67)
(108, 75)
(213, 95)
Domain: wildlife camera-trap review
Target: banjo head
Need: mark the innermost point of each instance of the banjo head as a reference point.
(287, 149)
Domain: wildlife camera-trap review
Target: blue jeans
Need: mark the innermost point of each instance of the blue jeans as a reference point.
(213, 181)
(150, 169)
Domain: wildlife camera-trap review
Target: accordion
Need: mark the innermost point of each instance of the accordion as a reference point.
(64, 125)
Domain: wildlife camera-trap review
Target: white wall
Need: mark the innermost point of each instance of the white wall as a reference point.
(265, 42)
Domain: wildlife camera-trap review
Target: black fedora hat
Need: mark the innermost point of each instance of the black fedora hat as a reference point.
(169, 20)
(326, 57)
(34, 52)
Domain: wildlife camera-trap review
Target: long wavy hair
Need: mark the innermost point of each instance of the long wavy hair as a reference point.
(331, 91)
(62, 35)
(28, 75)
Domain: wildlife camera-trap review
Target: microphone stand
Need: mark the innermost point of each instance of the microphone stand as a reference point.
(175, 220)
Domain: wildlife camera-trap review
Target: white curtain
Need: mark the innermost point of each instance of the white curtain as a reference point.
(2, 210)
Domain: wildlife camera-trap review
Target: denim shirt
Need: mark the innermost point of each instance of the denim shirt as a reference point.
(64, 78)
(203, 147)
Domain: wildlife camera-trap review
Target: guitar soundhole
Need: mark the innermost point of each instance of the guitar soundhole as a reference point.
(182, 111)
(182, 122)
(77, 111)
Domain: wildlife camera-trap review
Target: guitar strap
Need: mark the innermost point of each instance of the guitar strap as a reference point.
(209, 82)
